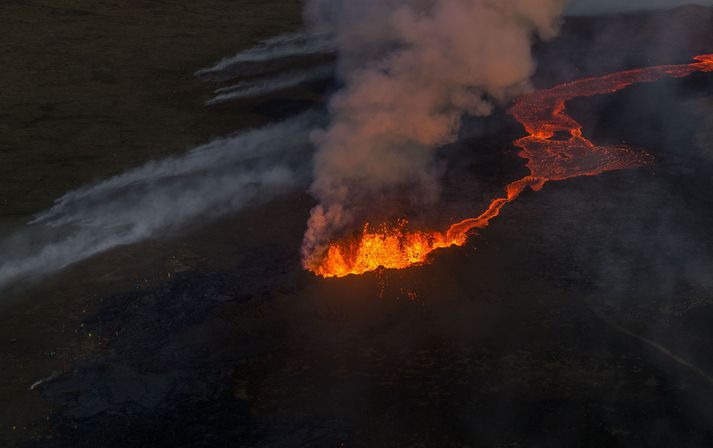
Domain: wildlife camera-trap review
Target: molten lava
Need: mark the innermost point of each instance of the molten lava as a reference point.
(391, 247)
(542, 113)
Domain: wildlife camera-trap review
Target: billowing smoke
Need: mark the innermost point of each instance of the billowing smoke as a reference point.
(223, 176)
(411, 69)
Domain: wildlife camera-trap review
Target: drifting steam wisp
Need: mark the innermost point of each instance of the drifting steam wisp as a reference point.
(220, 177)
(223, 176)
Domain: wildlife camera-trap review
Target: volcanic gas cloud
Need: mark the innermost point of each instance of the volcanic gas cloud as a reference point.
(542, 113)
(410, 69)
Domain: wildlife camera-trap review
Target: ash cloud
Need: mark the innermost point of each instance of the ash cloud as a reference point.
(411, 69)
(220, 177)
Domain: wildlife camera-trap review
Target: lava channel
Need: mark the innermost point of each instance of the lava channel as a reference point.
(543, 115)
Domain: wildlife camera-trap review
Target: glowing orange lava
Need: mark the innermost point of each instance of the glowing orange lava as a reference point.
(543, 115)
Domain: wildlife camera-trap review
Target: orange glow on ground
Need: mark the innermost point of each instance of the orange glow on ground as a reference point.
(542, 114)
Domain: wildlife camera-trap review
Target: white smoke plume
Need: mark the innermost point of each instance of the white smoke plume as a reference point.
(265, 86)
(411, 70)
(270, 50)
(223, 176)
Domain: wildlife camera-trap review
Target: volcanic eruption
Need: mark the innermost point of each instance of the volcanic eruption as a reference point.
(408, 71)
(543, 115)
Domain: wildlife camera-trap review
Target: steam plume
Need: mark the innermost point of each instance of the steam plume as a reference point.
(265, 86)
(411, 69)
(268, 51)
(223, 176)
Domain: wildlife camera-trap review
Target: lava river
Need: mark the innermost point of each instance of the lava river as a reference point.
(543, 115)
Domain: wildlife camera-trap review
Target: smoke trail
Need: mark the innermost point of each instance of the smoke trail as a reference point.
(276, 48)
(411, 69)
(223, 176)
(249, 89)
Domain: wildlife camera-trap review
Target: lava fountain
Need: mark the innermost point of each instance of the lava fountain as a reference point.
(542, 113)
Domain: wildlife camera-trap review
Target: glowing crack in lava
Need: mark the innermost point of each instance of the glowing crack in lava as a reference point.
(542, 113)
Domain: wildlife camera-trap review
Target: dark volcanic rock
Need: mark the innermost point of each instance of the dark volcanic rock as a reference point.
(168, 374)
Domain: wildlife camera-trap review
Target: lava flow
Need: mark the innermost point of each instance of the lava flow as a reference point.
(542, 113)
